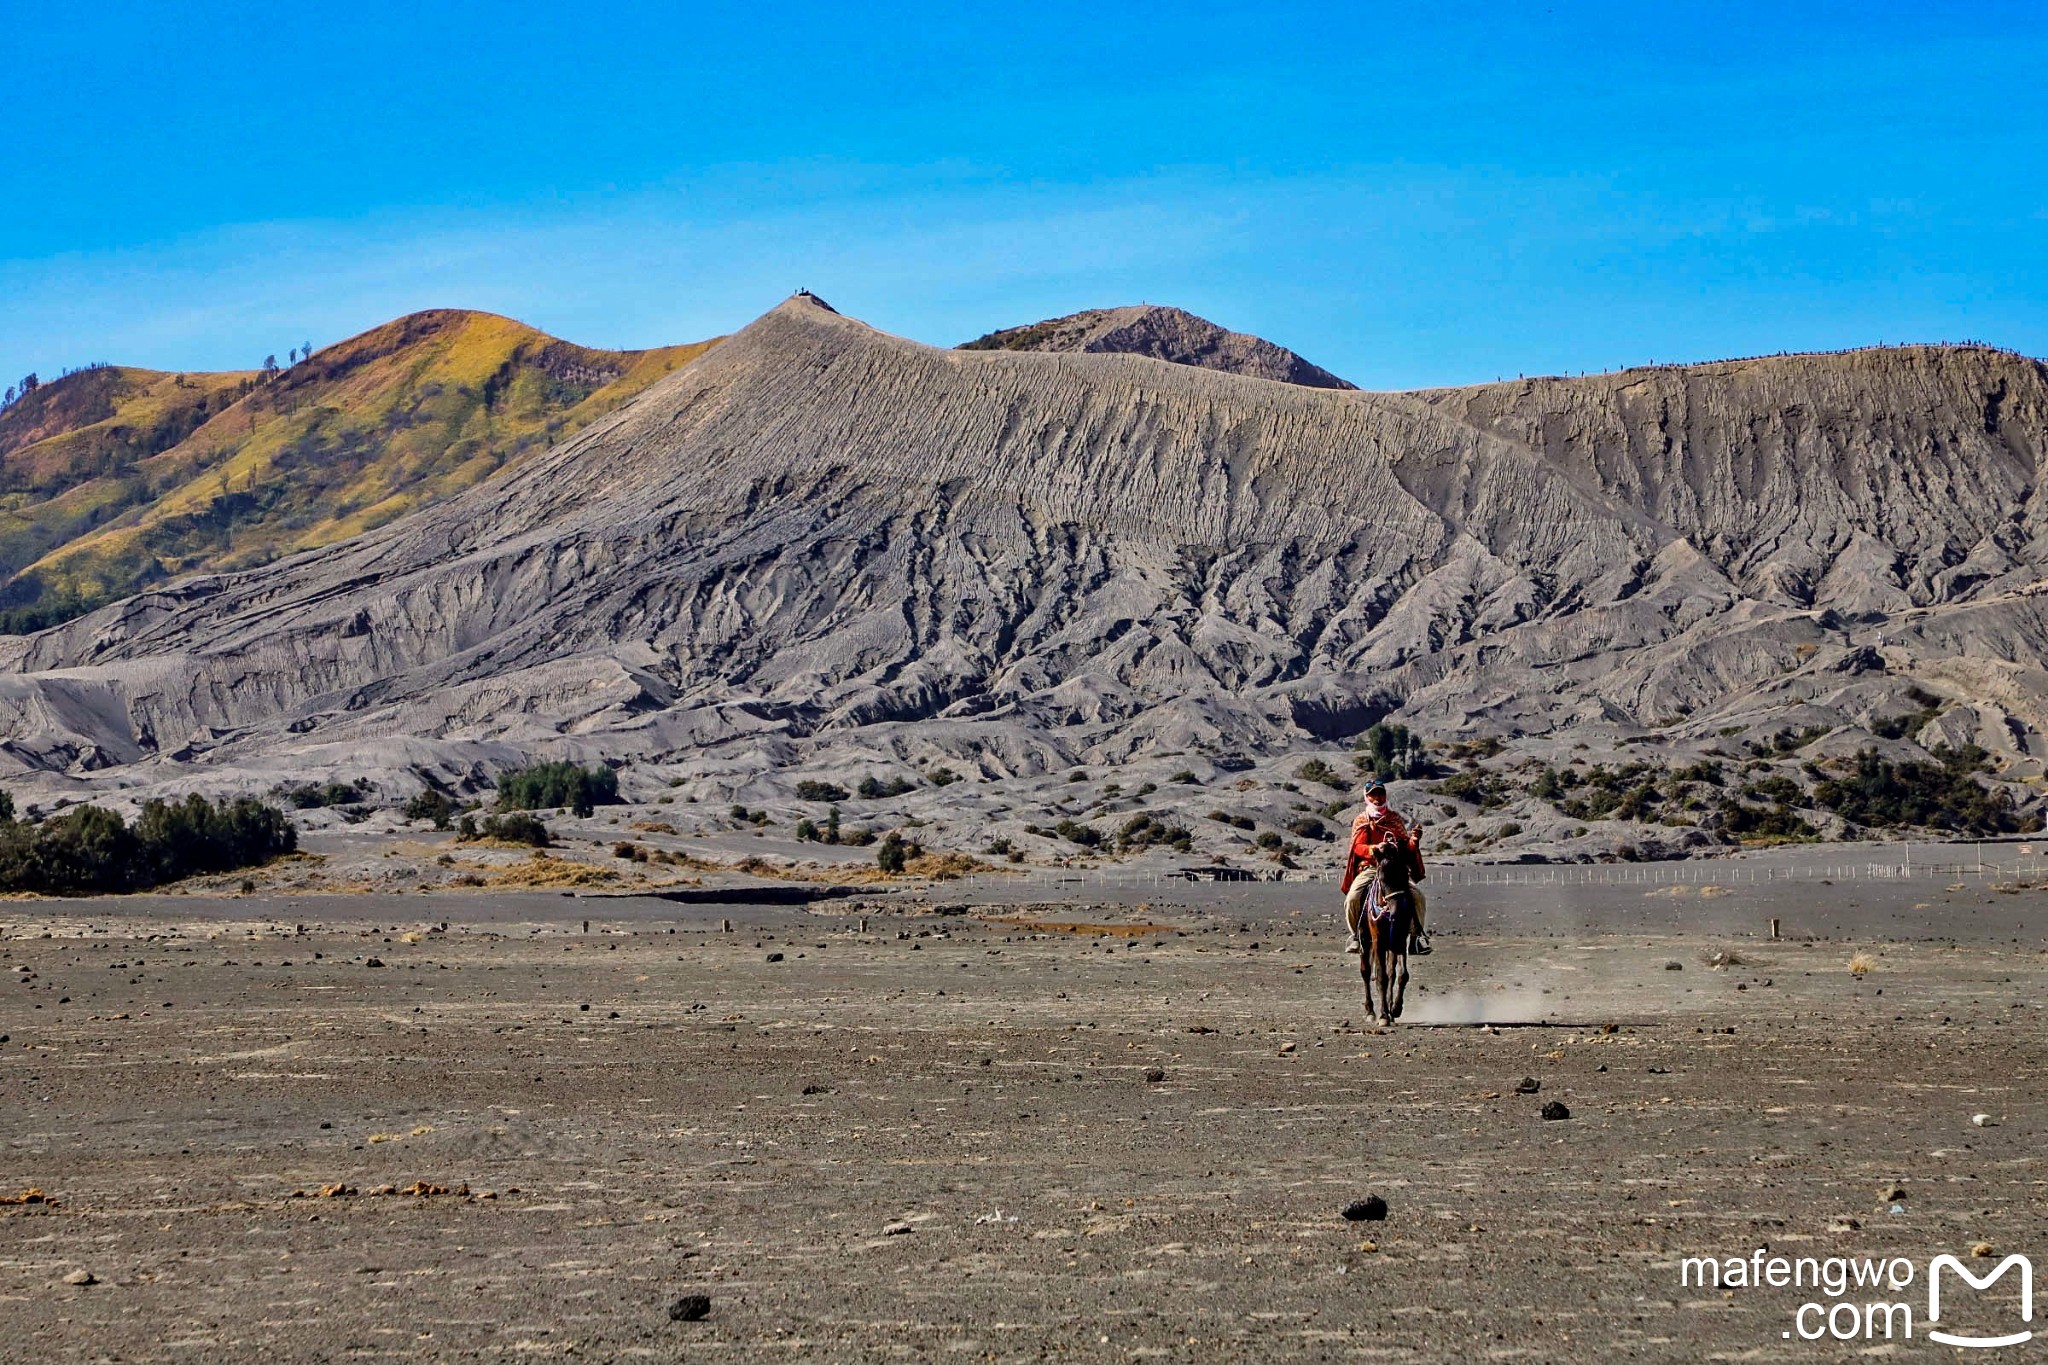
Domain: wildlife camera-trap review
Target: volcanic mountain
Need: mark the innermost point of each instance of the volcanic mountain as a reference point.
(1170, 334)
(818, 545)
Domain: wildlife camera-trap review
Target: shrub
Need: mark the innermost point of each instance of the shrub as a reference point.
(1315, 770)
(515, 828)
(1144, 831)
(806, 831)
(893, 853)
(548, 786)
(1308, 827)
(312, 797)
(430, 805)
(820, 791)
(945, 777)
(1488, 791)
(89, 849)
(1270, 840)
(870, 789)
(1186, 777)
(1085, 835)
(1742, 821)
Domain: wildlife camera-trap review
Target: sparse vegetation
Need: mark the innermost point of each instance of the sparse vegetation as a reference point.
(1315, 770)
(870, 788)
(1145, 831)
(820, 791)
(312, 796)
(515, 828)
(430, 805)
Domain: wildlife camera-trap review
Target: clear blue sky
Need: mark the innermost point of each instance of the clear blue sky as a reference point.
(1407, 194)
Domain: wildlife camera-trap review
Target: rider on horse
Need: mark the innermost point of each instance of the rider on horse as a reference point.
(1377, 833)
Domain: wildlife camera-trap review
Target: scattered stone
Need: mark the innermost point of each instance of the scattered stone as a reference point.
(815, 1089)
(1844, 1225)
(1983, 1249)
(1155, 1074)
(1528, 1085)
(775, 957)
(32, 1195)
(690, 1308)
(1370, 1209)
(374, 962)
(1891, 1194)
(1674, 966)
(1983, 1120)
(897, 1229)
(81, 1277)
(1287, 1047)
(1555, 1109)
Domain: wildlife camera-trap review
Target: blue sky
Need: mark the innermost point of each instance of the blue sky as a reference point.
(1407, 194)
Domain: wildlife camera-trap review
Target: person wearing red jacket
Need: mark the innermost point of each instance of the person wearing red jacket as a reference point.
(1376, 826)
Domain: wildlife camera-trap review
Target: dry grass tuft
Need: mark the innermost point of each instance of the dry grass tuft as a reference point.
(1862, 964)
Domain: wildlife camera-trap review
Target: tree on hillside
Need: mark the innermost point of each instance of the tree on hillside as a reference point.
(269, 366)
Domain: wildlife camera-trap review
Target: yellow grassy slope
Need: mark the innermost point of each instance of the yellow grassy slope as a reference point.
(364, 431)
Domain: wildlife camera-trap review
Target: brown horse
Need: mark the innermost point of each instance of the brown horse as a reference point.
(1388, 925)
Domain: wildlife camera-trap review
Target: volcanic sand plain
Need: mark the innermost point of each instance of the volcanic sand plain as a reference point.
(1106, 1126)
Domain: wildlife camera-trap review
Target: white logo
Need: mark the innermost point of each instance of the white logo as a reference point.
(1934, 1298)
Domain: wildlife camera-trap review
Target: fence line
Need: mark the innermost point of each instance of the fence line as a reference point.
(1982, 864)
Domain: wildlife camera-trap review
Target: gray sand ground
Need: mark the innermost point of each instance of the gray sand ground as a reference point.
(934, 1136)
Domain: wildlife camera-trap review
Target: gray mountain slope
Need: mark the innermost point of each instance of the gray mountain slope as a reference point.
(1170, 334)
(821, 539)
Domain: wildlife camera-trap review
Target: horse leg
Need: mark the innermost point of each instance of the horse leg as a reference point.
(1365, 968)
(1399, 986)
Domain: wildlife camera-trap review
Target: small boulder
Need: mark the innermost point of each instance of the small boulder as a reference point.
(775, 957)
(1371, 1209)
(374, 962)
(1154, 1074)
(1528, 1085)
(690, 1308)
(81, 1277)
(1555, 1109)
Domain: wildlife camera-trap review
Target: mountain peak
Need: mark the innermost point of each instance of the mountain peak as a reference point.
(1163, 333)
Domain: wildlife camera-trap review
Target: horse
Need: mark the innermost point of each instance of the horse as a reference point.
(1389, 921)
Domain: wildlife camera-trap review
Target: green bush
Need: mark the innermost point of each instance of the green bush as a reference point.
(1308, 827)
(549, 786)
(1315, 770)
(311, 797)
(871, 789)
(1186, 777)
(820, 791)
(943, 777)
(430, 805)
(90, 850)
(1488, 791)
(1085, 835)
(515, 828)
(893, 854)
(1144, 831)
